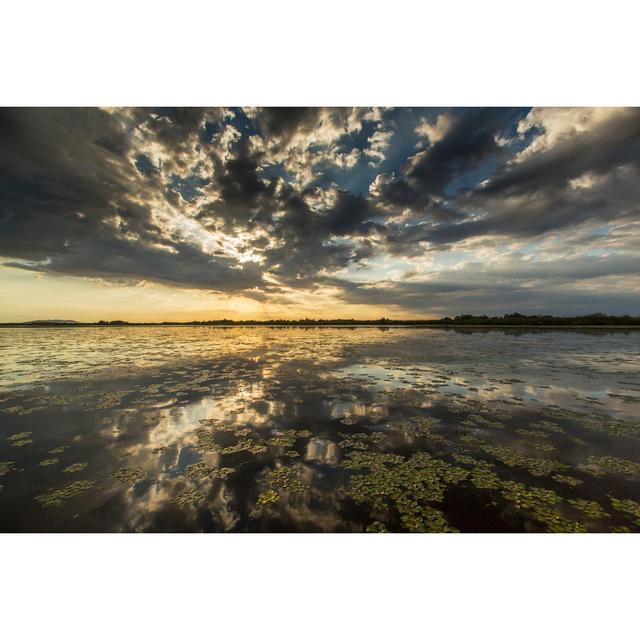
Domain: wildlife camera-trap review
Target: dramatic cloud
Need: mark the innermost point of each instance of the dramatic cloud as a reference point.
(419, 211)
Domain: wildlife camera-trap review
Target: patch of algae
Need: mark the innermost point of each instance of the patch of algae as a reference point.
(23, 435)
(539, 504)
(285, 478)
(628, 506)
(478, 420)
(543, 446)
(361, 441)
(48, 462)
(246, 444)
(482, 474)
(58, 450)
(483, 477)
(55, 498)
(568, 480)
(590, 508)
(128, 476)
(546, 425)
(535, 466)
(187, 497)
(205, 440)
(288, 438)
(377, 527)
(6, 467)
(414, 426)
(200, 471)
(617, 465)
(22, 443)
(406, 484)
(533, 433)
(269, 496)
(74, 468)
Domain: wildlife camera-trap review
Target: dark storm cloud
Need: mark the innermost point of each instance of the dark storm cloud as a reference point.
(248, 202)
(71, 199)
(524, 198)
(471, 139)
(612, 143)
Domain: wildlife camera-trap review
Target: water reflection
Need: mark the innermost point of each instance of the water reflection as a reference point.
(322, 451)
(256, 429)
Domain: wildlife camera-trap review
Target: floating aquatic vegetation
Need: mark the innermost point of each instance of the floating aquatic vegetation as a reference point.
(539, 504)
(423, 519)
(533, 433)
(285, 478)
(205, 441)
(464, 459)
(187, 497)
(128, 475)
(414, 426)
(483, 477)
(223, 472)
(589, 508)
(370, 460)
(73, 468)
(292, 453)
(528, 498)
(618, 465)
(482, 474)
(6, 467)
(628, 506)
(485, 422)
(377, 527)
(535, 466)
(543, 446)
(55, 498)
(287, 438)
(48, 462)
(361, 440)
(247, 444)
(546, 425)
(199, 470)
(569, 480)
(22, 443)
(59, 450)
(268, 497)
(406, 484)
(23, 435)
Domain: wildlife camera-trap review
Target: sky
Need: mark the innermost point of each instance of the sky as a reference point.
(177, 214)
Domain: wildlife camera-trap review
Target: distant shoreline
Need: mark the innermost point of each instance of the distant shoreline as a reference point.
(317, 325)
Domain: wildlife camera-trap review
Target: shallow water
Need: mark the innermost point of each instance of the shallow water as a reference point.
(319, 429)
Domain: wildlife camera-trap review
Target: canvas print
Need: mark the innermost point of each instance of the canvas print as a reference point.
(329, 319)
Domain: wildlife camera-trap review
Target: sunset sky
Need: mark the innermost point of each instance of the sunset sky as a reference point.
(181, 214)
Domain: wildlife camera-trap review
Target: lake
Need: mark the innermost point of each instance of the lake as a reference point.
(267, 429)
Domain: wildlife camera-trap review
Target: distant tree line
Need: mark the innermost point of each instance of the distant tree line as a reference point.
(509, 319)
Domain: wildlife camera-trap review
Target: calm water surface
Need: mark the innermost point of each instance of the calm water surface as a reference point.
(320, 429)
